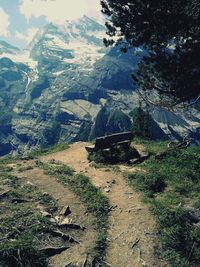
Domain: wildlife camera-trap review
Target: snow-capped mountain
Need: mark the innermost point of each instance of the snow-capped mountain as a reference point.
(75, 43)
(67, 86)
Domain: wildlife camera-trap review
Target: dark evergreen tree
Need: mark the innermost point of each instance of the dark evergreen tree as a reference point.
(169, 30)
(141, 123)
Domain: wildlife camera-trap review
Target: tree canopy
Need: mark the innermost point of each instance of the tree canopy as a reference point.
(169, 30)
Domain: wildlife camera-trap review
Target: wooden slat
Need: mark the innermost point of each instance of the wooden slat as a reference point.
(109, 140)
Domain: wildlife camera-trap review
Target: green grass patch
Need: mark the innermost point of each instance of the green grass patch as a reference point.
(152, 147)
(97, 204)
(22, 227)
(34, 154)
(48, 150)
(172, 187)
(10, 180)
(21, 234)
(22, 253)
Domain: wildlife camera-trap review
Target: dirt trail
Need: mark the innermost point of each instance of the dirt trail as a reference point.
(132, 229)
(64, 197)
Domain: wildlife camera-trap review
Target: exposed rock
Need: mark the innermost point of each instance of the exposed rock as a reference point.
(65, 221)
(107, 190)
(66, 211)
(70, 87)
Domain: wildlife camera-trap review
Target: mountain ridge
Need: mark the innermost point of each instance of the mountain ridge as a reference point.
(61, 83)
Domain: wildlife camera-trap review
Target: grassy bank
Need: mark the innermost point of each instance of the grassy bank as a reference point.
(97, 204)
(172, 187)
(22, 227)
(34, 153)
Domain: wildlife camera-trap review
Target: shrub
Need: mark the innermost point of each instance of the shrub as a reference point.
(117, 155)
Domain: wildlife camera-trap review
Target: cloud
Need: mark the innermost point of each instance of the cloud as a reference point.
(4, 23)
(28, 36)
(58, 11)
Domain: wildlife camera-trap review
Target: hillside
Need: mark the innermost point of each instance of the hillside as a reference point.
(51, 209)
(57, 89)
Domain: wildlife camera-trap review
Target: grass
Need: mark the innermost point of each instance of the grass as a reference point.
(22, 252)
(172, 187)
(34, 154)
(97, 204)
(48, 150)
(22, 227)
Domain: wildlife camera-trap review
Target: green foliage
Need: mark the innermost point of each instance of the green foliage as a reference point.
(169, 31)
(9, 179)
(55, 168)
(22, 228)
(170, 185)
(48, 150)
(145, 127)
(21, 253)
(114, 156)
(141, 123)
(152, 147)
(180, 239)
(150, 183)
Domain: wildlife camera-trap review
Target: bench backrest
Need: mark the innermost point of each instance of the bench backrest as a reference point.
(109, 140)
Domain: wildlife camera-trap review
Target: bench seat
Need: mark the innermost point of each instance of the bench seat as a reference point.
(110, 141)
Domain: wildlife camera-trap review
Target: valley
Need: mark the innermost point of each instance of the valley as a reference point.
(99, 133)
(66, 86)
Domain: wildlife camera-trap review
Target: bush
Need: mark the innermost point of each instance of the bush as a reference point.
(118, 155)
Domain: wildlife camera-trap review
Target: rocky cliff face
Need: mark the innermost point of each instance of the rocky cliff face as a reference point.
(67, 86)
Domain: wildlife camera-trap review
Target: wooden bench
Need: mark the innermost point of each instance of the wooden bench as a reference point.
(110, 141)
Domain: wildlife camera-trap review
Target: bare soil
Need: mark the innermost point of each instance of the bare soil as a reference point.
(47, 184)
(132, 234)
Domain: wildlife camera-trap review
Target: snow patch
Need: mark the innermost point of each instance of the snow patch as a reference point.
(22, 57)
(58, 72)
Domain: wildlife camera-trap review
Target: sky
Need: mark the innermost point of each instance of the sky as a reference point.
(20, 19)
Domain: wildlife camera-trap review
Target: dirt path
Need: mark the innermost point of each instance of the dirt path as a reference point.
(132, 231)
(64, 197)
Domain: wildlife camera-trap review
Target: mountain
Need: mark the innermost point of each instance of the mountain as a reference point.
(7, 48)
(67, 86)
